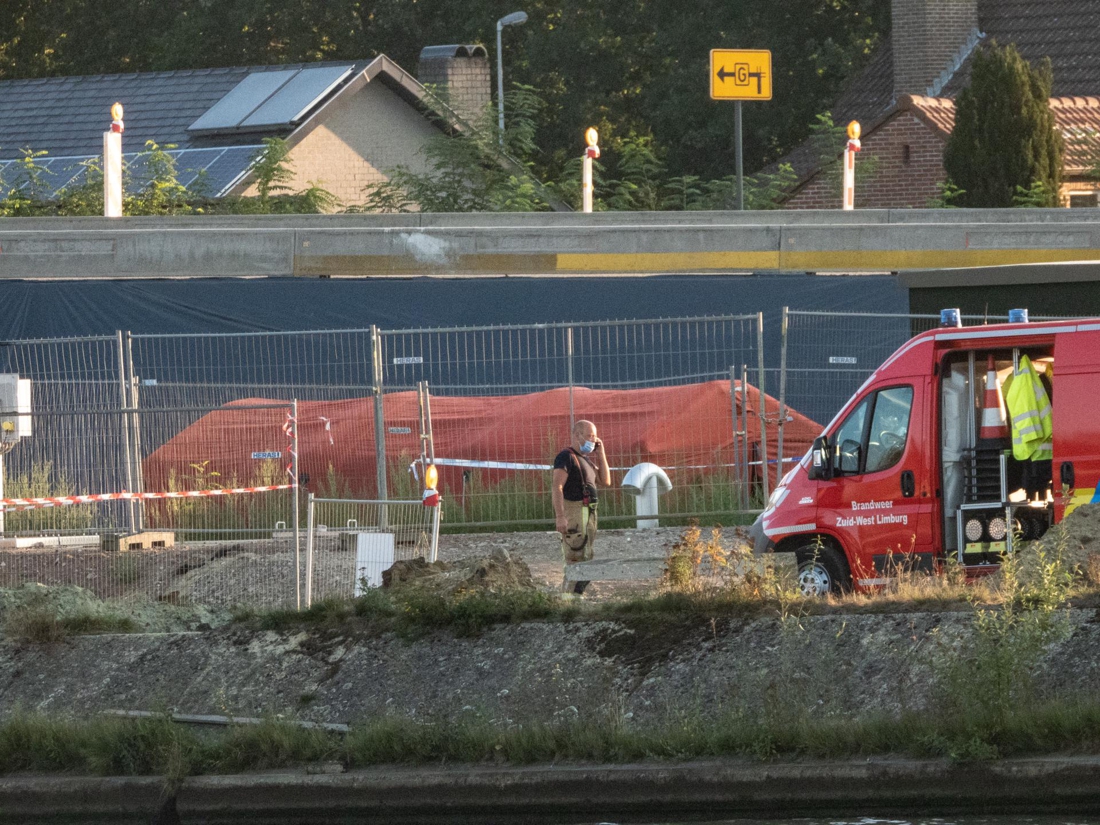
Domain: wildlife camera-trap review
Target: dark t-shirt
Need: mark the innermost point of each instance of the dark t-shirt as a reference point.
(580, 472)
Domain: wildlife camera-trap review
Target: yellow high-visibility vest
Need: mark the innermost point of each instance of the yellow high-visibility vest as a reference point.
(1032, 419)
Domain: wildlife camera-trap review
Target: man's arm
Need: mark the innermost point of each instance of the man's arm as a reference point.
(557, 490)
(603, 469)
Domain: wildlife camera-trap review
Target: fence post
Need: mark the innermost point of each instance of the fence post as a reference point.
(569, 369)
(427, 456)
(379, 416)
(296, 489)
(746, 487)
(135, 405)
(782, 397)
(763, 411)
(310, 506)
(126, 423)
(736, 435)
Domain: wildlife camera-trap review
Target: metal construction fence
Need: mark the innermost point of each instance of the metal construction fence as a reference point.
(153, 431)
(351, 542)
(123, 484)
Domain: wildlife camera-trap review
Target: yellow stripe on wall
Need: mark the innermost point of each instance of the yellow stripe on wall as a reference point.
(536, 263)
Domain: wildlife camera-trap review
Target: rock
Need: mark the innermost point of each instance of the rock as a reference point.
(496, 572)
(409, 570)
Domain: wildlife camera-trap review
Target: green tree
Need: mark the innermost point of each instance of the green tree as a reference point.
(467, 171)
(629, 68)
(1005, 142)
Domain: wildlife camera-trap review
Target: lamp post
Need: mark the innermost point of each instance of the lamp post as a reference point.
(516, 18)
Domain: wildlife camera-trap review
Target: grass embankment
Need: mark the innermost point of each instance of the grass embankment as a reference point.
(116, 747)
(42, 624)
(1014, 617)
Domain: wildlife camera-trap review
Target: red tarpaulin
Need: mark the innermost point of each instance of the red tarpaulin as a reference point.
(681, 428)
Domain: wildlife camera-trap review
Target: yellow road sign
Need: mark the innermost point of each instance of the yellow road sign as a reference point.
(740, 74)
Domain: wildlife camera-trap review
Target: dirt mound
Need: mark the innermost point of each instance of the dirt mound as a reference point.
(494, 573)
(1077, 538)
(410, 570)
(70, 601)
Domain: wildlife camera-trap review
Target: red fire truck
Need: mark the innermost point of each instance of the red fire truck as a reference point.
(904, 476)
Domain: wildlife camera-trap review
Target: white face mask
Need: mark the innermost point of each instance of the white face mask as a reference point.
(588, 447)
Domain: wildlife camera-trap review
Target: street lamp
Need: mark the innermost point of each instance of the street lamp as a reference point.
(516, 18)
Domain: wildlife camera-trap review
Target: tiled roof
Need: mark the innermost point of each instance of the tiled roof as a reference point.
(937, 112)
(871, 91)
(1077, 118)
(66, 116)
(1066, 31)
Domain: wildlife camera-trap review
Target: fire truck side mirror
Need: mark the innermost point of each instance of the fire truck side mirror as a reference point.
(821, 460)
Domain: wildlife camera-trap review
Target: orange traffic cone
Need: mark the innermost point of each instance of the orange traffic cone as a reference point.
(994, 420)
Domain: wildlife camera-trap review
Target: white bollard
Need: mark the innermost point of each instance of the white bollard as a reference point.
(645, 482)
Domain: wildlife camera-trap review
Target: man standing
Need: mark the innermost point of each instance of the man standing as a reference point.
(578, 470)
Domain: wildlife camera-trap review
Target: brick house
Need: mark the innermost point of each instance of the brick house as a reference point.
(904, 98)
(346, 123)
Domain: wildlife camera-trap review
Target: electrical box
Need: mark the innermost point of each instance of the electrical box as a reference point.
(15, 408)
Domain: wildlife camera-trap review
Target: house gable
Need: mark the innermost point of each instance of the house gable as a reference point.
(908, 158)
(1065, 31)
(374, 132)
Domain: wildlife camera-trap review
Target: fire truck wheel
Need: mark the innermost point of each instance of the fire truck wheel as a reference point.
(821, 570)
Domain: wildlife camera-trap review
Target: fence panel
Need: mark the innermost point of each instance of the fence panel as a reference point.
(74, 445)
(329, 372)
(350, 542)
(829, 355)
(504, 399)
(214, 525)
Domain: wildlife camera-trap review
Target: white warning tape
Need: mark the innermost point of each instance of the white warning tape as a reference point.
(516, 465)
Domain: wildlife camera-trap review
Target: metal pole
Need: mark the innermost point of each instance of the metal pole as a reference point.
(127, 427)
(438, 514)
(739, 151)
(746, 486)
(112, 174)
(310, 506)
(782, 397)
(500, 86)
(586, 183)
(763, 411)
(296, 489)
(379, 416)
(850, 149)
(135, 399)
(569, 369)
(2, 513)
(736, 433)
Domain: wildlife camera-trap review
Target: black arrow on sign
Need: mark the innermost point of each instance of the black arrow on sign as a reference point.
(723, 74)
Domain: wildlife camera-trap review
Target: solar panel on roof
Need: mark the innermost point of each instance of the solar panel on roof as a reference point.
(240, 101)
(228, 167)
(297, 97)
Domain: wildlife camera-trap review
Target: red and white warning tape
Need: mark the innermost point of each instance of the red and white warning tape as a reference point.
(61, 501)
(290, 427)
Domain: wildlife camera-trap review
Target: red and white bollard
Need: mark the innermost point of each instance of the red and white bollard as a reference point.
(850, 165)
(112, 165)
(592, 138)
